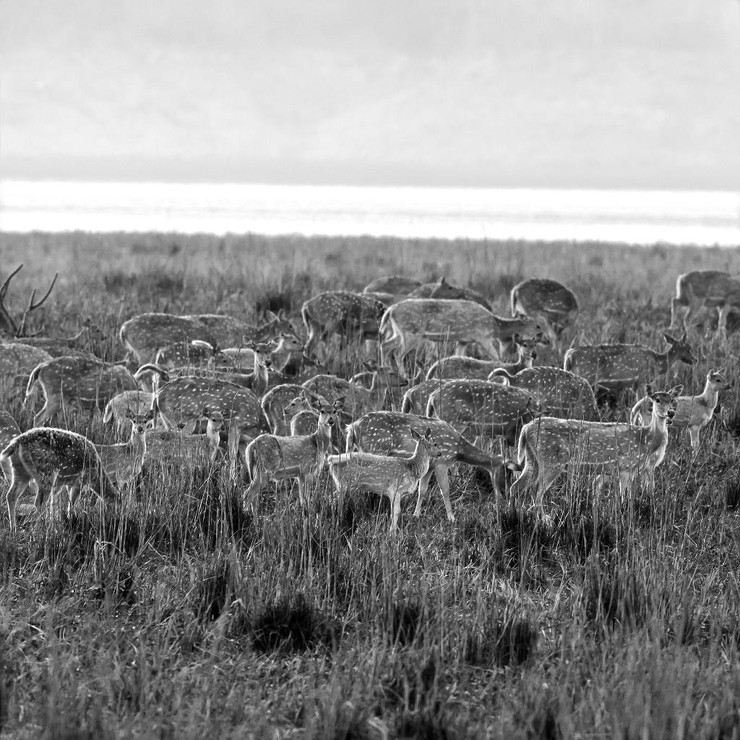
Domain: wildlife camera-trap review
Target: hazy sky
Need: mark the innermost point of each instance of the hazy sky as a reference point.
(577, 93)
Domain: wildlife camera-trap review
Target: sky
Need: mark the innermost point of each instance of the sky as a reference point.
(497, 93)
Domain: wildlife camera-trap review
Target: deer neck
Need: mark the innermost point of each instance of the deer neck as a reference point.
(420, 460)
(657, 436)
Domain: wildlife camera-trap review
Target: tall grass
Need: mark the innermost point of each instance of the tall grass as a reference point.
(174, 614)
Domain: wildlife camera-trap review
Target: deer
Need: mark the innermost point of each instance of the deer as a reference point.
(145, 334)
(549, 446)
(693, 413)
(277, 408)
(617, 367)
(411, 323)
(460, 366)
(559, 393)
(181, 401)
(9, 430)
(79, 345)
(442, 290)
(390, 433)
(270, 457)
(118, 408)
(82, 381)
(288, 347)
(340, 312)
(17, 361)
(51, 457)
(165, 446)
(486, 409)
(195, 353)
(15, 329)
(705, 289)
(357, 398)
(395, 285)
(416, 398)
(385, 475)
(548, 301)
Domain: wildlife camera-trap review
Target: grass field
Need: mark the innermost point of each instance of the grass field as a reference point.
(175, 615)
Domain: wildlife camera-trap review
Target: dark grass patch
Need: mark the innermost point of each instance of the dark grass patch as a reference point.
(292, 626)
(412, 684)
(403, 623)
(582, 534)
(506, 640)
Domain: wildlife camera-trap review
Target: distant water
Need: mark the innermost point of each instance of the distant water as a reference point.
(645, 217)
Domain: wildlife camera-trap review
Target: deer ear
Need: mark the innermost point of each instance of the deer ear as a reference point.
(669, 338)
(130, 414)
(150, 415)
(428, 433)
(676, 391)
(205, 411)
(414, 433)
(648, 389)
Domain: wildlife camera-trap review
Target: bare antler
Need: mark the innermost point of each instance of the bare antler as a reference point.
(7, 322)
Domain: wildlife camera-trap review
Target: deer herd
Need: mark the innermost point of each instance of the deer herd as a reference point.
(452, 380)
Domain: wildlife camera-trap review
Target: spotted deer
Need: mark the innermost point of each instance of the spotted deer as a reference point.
(357, 398)
(442, 290)
(549, 447)
(340, 312)
(559, 393)
(85, 382)
(692, 412)
(9, 430)
(195, 353)
(396, 285)
(277, 409)
(459, 366)
(116, 410)
(181, 401)
(616, 367)
(82, 344)
(173, 446)
(287, 348)
(548, 301)
(270, 457)
(53, 457)
(145, 334)
(390, 433)
(416, 398)
(17, 361)
(414, 322)
(385, 475)
(704, 289)
(486, 409)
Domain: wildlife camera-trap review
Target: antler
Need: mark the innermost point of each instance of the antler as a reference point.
(6, 320)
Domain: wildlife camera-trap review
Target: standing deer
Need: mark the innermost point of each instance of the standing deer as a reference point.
(442, 290)
(383, 474)
(118, 408)
(50, 457)
(414, 322)
(459, 366)
(82, 381)
(548, 301)
(340, 312)
(241, 358)
(390, 433)
(559, 393)
(123, 461)
(486, 409)
(549, 447)
(270, 457)
(81, 344)
(173, 446)
(705, 289)
(619, 366)
(692, 412)
(276, 405)
(357, 398)
(17, 361)
(395, 285)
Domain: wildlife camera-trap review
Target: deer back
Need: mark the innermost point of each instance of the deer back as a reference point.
(394, 284)
(544, 297)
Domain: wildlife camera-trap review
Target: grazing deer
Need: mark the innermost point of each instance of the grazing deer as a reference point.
(357, 398)
(487, 409)
(413, 322)
(49, 457)
(273, 458)
(8, 324)
(549, 447)
(692, 412)
(390, 433)
(340, 312)
(17, 361)
(705, 289)
(118, 408)
(83, 381)
(81, 344)
(395, 285)
(383, 474)
(442, 290)
(459, 366)
(560, 393)
(548, 301)
(619, 366)
(145, 334)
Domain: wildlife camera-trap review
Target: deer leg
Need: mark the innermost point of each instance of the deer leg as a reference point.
(443, 480)
(51, 408)
(18, 486)
(423, 486)
(724, 311)
(694, 437)
(395, 496)
(252, 494)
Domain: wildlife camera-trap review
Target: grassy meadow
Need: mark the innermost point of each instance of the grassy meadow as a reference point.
(175, 615)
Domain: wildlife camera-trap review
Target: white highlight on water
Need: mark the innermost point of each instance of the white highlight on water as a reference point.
(644, 217)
